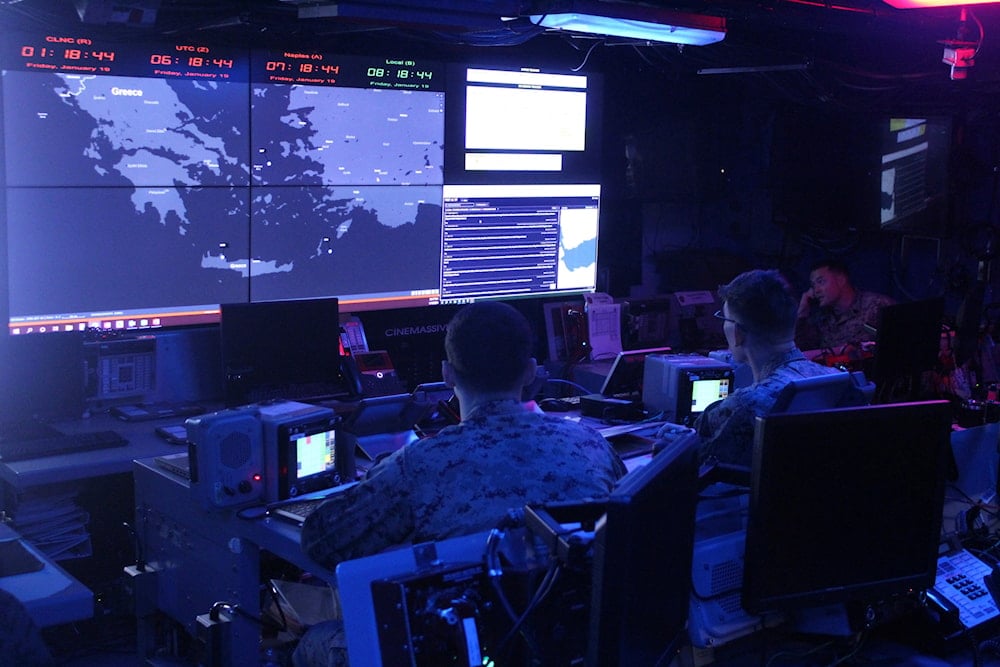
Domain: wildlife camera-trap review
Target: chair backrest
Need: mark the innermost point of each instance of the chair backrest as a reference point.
(354, 579)
(824, 392)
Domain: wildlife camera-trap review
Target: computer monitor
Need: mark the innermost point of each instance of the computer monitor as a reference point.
(642, 561)
(641, 544)
(391, 413)
(288, 177)
(861, 169)
(281, 349)
(313, 455)
(142, 225)
(845, 505)
(347, 164)
(44, 378)
(523, 124)
(625, 376)
(914, 174)
(907, 343)
(681, 386)
(506, 241)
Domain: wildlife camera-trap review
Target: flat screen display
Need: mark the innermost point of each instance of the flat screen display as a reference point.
(509, 241)
(126, 200)
(642, 562)
(315, 453)
(312, 455)
(862, 170)
(864, 497)
(281, 350)
(708, 391)
(146, 183)
(523, 110)
(914, 173)
(523, 124)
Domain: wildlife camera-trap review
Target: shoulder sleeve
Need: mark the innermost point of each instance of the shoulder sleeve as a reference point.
(606, 456)
(726, 430)
(365, 519)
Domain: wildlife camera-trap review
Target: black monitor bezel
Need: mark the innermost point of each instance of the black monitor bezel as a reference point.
(643, 551)
(344, 469)
(683, 411)
(242, 343)
(907, 339)
(803, 554)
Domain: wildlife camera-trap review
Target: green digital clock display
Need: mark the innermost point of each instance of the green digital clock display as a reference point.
(401, 73)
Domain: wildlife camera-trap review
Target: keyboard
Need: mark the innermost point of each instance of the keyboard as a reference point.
(299, 510)
(176, 464)
(56, 445)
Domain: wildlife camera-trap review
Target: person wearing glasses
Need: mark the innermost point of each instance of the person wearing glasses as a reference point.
(834, 314)
(759, 310)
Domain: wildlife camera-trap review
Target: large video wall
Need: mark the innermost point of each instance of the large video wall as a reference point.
(144, 184)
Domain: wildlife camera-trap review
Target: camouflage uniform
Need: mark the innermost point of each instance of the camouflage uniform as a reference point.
(727, 426)
(826, 328)
(460, 481)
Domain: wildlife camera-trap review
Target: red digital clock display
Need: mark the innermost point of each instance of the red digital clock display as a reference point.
(190, 61)
(300, 67)
(66, 53)
(83, 54)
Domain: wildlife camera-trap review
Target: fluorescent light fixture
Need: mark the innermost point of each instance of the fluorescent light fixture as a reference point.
(928, 4)
(635, 22)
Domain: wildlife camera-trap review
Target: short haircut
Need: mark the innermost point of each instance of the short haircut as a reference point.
(835, 265)
(763, 303)
(489, 346)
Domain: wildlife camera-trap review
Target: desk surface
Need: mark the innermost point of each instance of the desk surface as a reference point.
(50, 594)
(143, 443)
(975, 454)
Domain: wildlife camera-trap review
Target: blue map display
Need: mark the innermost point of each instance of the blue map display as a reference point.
(580, 256)
(342, 244)
(101, 131)
(330, 162)
(136, 193)
(350, 136)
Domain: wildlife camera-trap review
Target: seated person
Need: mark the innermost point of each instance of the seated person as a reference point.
(758, 312)
(465, 478)
(833, 313)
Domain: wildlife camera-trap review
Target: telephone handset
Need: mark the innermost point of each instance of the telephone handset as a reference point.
(352, 342)
(351, 376)
(352, 334)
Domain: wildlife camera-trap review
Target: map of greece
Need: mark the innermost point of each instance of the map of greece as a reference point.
(300, 190)
(351, 136)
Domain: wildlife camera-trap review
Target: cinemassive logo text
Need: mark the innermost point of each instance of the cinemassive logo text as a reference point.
(423, 330)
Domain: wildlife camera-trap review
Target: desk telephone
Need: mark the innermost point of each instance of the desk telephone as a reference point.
(964, 591)
(352, 341)
(366, 372)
